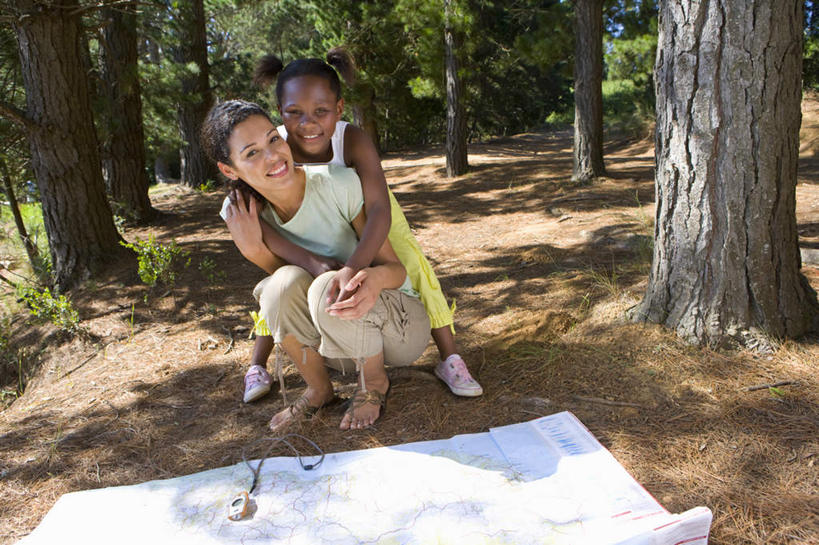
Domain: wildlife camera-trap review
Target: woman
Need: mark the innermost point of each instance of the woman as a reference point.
(320, 208)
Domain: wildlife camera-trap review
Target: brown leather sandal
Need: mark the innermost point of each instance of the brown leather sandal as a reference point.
(362, 397)
(300, 411)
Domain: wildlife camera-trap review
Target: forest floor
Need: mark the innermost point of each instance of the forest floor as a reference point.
(543, 272)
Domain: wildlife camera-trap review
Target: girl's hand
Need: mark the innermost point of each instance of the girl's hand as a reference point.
(318, 265)
(340, 286)
(364, 290)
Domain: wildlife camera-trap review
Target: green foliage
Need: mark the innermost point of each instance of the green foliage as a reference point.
(12, 246)
(209, 186)
(12, 369)
(623, 106)
(630, 48)
(57, 310)
(208, 269)
(631, 59)
(158, 263)
(810, 62)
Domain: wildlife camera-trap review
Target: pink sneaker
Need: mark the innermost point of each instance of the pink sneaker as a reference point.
(454, 373)
(257, 383)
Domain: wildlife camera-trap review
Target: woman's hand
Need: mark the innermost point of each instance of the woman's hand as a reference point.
(360, 294)
(340, 286)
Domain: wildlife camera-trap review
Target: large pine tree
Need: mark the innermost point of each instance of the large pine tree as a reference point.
(124, 148)
(726, 258)
(62, 142)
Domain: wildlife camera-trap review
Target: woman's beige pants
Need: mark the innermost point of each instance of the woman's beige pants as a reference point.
(293, 303)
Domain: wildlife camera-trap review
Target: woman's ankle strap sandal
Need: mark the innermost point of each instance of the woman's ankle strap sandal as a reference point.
(302, 410)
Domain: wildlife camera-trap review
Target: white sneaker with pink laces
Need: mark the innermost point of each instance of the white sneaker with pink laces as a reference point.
(454, 373)
(257, 383)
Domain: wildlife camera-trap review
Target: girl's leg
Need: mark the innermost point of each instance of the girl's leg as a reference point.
(319, 390)
(444, 340)
(363, 415)
(452, 368)
(261, 350)
(257, 380)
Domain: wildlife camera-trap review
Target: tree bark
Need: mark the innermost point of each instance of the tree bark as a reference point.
(124, 149)
(197, 97)
(588, 91)
(726, 257)
(364, 114)
(63, 145)
(456, 157)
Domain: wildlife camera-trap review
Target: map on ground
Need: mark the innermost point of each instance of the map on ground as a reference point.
(547, 481)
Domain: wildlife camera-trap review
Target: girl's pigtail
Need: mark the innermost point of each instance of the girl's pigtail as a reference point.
(340, 59)
(267, 69)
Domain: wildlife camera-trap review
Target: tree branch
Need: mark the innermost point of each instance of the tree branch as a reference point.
(15, 114)
(109, 4)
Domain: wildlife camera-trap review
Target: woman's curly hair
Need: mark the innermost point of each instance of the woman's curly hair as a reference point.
(216, 131)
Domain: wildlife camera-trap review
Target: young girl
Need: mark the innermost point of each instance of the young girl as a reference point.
(308, 93)
(319, 208)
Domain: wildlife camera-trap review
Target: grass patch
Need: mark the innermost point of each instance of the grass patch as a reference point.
(12, 250)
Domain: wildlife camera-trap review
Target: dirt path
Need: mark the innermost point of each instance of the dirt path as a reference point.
(542, 272)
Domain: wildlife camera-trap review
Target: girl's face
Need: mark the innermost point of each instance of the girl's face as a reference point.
(310, 110)
(259, 155)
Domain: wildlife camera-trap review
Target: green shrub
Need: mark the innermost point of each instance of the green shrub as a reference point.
(158, 263)
(57, 310)
(209, 186)
(208, 269)
(625, 107)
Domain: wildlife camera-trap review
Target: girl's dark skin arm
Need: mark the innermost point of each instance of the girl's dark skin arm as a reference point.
(360, 154)
(288, 251)
(294, 254)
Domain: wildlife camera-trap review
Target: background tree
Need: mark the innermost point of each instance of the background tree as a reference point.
(588, 91)
(124, 145)
(726, 258)
(13, 155)
(197, 97)
(456, 162)
(62, 142)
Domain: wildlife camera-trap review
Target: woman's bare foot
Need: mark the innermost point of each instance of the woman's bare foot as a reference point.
(300, 410)
(365, 407)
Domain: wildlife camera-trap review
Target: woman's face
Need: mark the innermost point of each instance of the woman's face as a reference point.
(259, 155)
(309, 109)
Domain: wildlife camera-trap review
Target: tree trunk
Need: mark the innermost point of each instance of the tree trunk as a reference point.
(64, 153)
(456, 160)
(726, 258)
(197, 96)
(125, 146)
(364, 113)
(28, 244)
(588, 90)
